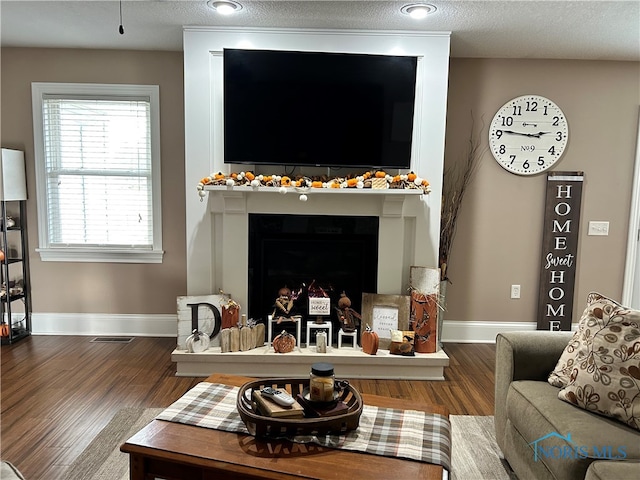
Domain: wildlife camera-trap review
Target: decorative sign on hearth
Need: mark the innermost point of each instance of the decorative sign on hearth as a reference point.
(319, 300)
(319, 306)
(200, 313)
(384, 318)
(559, 250)
(385, 313)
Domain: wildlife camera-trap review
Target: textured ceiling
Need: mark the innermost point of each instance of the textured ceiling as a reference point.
(568, 29)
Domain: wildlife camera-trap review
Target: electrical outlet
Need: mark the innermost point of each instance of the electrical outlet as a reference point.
(598, 228)
(515, 291)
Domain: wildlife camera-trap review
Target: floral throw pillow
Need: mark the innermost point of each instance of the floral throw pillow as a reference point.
(604, 373)
(599, 309)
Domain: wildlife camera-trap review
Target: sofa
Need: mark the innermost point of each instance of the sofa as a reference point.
(543, 437)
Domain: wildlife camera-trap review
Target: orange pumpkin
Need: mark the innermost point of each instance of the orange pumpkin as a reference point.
(370, 341)
(352, 182)
(1, 256)
(285, 181)
(316, 184)
(380, 174)
(284, 343)
(4, 330)
(250, 176)
(411, 176)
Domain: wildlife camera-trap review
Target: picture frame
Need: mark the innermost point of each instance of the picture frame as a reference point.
(384, 313)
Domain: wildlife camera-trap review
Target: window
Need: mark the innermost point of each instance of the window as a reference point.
(97, 151)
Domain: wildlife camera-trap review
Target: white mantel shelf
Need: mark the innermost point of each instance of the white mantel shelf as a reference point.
(235, 198)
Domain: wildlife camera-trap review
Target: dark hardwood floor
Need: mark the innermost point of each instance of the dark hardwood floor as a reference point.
(57, 393)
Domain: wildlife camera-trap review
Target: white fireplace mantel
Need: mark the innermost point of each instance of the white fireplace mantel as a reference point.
(216, 229)
(403, 216)
(235, 198)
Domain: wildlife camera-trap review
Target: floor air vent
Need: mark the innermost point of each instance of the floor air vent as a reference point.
(112, 339)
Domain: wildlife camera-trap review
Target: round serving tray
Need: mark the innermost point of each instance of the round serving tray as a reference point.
(263, 426)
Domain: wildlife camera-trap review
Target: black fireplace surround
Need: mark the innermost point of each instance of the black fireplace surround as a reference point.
(339, 252)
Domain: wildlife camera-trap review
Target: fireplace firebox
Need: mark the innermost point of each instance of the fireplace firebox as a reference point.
(339, 253)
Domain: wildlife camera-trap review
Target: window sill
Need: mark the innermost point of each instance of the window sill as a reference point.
(100, 255)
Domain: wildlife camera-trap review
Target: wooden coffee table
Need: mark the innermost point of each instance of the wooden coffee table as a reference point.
(173, 451)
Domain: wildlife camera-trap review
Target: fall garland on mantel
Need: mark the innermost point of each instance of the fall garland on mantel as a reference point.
(375, 179)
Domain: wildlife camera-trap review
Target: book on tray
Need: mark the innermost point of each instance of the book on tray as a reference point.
(270, 408)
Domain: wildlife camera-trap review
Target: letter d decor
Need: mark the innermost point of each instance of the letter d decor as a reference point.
(559, 250)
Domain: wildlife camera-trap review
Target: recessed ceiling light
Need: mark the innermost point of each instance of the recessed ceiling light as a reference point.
(418, 10)
(224, 7)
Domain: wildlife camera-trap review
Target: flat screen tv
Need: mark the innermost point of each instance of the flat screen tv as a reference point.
(322, 109)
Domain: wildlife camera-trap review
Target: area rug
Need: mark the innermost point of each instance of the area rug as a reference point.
(475, 454)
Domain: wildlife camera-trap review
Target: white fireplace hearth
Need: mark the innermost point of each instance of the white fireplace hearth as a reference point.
(348, 363)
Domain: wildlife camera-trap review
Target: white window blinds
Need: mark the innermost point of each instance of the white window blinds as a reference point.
(98, 171)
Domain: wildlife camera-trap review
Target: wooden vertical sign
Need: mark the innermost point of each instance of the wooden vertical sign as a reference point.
(559, 250)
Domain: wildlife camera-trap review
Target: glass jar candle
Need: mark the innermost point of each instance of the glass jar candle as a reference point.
(321, 382)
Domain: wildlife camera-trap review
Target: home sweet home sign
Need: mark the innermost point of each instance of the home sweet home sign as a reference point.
(559, 250)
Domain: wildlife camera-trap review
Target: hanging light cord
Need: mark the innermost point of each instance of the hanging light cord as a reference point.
(121, 28)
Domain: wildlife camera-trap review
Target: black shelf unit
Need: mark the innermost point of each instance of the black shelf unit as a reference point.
(14, 266)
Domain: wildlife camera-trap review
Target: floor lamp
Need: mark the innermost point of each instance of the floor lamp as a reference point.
(13, 185)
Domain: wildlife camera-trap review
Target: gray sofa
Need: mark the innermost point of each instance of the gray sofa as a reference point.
(529, 418)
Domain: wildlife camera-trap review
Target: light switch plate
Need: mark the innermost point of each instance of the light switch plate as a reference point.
(598, 228)
(515, 291)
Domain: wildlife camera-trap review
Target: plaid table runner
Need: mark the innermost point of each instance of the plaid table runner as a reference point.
(383, 431)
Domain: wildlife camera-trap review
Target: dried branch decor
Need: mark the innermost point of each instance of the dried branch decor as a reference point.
(455, 181)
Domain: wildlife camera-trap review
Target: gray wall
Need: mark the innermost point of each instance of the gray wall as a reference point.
(500, 231)
(500, 235)
(103, 287)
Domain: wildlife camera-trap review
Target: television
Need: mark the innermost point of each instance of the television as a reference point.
(318, 109)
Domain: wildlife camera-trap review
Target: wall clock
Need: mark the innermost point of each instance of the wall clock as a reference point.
(528, 134)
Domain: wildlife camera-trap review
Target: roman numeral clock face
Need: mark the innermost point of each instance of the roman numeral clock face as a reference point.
(528, 135)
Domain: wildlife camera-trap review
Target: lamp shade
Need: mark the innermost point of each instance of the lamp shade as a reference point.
(13, 184)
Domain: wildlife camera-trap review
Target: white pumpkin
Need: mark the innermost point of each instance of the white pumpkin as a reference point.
(197, 342)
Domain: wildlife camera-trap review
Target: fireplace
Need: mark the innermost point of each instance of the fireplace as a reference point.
(218, 227)
(357, 241)
(339, 253)
(257, 240)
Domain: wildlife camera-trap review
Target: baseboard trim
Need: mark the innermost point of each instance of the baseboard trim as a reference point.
(165, 325)
(139, 325)
(479, 332)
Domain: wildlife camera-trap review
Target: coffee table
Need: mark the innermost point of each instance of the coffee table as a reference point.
(173, 451)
